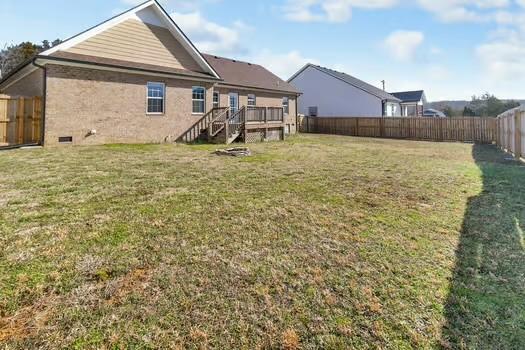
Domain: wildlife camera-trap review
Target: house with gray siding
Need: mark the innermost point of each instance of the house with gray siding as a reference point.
(412, 102)
(329, 93)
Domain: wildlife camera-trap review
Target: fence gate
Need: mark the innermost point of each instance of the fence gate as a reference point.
(20, 120)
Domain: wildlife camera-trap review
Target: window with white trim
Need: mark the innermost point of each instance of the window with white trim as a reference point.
(198, 100)
(216, 99)
(252, 100)
(286, 105)
(156, 98)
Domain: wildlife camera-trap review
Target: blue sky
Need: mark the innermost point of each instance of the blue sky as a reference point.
(451, 48)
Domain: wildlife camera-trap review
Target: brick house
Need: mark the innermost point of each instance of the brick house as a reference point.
(137, 78)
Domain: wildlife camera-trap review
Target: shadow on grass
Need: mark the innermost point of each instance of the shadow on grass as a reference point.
(486, 305)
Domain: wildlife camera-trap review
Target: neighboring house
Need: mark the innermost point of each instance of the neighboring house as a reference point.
(412, 102)
(433, 113)
(137, 78)
(329, 93)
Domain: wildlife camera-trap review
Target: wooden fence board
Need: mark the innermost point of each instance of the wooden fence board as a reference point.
(511, 132)
(20, 120)
(481, 130)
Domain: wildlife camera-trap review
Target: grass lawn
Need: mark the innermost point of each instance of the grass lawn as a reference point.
(318, 242)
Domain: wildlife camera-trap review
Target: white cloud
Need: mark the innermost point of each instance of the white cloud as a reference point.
(463, 10)
(503, 57)
(403, 44)
(329, 10)
(283, 65)
(445, 10)
(180, 5)
(438, 72)
(209, 36)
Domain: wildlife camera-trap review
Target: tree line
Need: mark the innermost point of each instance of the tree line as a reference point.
(11, 56)
(486, 105)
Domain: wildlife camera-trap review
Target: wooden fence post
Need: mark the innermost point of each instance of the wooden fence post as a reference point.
(20, 111)
(517, 133)
(497, 132)
(37, 119)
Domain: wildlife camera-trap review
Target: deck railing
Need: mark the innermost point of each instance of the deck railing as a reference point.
(275, 114)
(264, 114)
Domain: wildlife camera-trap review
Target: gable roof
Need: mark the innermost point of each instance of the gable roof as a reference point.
(351, 81)
(410, 96)
(161, 15)
(245, 74)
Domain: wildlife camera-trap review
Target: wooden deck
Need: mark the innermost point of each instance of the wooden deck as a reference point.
(248, 124)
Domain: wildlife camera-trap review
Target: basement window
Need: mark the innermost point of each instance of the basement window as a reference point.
(156, 98)
(65, 139)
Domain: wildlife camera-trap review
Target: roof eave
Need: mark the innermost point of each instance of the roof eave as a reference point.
(119, 67)
(17, 69)
(248, 87)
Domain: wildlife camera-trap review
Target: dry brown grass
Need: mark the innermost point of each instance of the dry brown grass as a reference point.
(319, 242)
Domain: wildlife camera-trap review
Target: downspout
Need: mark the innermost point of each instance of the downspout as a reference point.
(44, 100)
(296, 114)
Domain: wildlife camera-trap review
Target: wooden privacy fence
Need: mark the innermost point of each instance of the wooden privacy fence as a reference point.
(511, 131)
(473, 129)
(20, 120)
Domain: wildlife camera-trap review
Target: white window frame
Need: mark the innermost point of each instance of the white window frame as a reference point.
(286, 110)
(156, 98)
(203, 100)
(254, 100)
(218, 103)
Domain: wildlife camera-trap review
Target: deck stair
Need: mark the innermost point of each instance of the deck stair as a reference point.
(228, 127)
(198, 131)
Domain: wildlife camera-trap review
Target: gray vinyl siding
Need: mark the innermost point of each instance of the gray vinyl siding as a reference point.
(333, 97)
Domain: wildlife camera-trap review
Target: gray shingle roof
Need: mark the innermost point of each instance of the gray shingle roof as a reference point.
(359, 84)
(409, 96)
(246, 74)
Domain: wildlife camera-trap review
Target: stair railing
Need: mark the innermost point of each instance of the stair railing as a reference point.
(200, 125)
(218, 123)
(236, 122)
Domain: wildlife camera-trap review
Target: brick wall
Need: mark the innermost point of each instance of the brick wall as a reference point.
(79, 100)
(31, 85)
(114, 104)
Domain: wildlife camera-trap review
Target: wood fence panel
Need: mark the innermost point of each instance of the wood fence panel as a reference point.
(481, 130)
(3, 122)
(20, 120)
(511, 131)
(522, 132)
